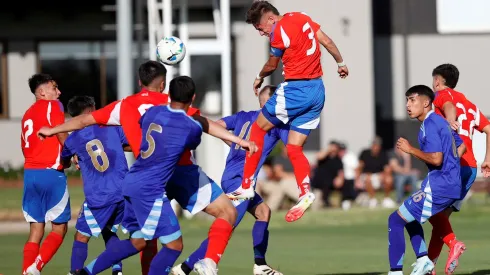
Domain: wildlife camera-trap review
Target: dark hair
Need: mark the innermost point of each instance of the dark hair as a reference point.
(449, 72)
(150, 70)
(182, 89)
(421, 90)
(78, 104)
(37, 80)
(257, 9)
(271, 88)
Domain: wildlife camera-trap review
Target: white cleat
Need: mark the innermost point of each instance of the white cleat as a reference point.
(422, 266)
(265, 270)
(297, 211)
(395, 273)
(206, 267)
(242, 194)
(177, 270)
(32, 270)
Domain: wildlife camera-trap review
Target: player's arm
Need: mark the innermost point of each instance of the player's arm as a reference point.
(228, 123)
(443, 102)
(432, 158)
(73, 124)
(271, 65)
(332, 49)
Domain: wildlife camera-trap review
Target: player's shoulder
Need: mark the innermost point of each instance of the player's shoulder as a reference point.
(147, 97)
(435, 120)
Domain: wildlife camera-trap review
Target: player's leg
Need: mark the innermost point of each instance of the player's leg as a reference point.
(79, 251)
(31, 247)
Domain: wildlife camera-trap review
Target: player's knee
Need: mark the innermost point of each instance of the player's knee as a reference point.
(139, 244)
(230, 214)
(60, 228)
(177, 245)
(36, 233)
(79, 237)
(263, 212)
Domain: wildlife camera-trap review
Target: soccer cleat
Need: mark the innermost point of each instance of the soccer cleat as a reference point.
(242, 194)
(32, 270)
(297, 211)
(265, 270)
(206, 267)
(422, 266)
(177, 270)
(453, 258)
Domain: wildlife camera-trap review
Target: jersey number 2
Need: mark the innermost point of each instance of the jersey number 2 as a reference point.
(30, 126)
(151, 141)
(311, 36)
(98, 152)
(463, 117)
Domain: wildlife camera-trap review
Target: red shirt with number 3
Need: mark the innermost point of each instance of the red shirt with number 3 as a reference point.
(294, 39)
(469, 118)
(42, 154)
(127, 113)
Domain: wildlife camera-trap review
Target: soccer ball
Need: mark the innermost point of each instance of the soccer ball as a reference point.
(170, 50)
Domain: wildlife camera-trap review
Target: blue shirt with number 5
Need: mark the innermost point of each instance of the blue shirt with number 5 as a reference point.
(436, 135)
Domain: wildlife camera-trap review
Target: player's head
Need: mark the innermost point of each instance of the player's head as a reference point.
(266, 93)
(262, 15)
(81, 105)
(443, 76)
(152, 75)
(182, 90)
(419, 101)
(43, 86)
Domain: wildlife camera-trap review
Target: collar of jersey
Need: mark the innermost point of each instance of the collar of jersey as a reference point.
(175, 110)
(428, 114)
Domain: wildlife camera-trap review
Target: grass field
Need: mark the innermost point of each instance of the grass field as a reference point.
(327, 242)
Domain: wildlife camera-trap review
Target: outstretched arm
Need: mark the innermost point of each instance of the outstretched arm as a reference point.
(73, 124)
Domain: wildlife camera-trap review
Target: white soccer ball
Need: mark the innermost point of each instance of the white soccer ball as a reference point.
(170, 50)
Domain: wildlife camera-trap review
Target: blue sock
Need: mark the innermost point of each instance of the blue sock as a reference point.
(109, 238)
(79, 254)
(260, 235)
(396, 241)
(416, 233)
(197, 255)
(164, 261)
(114, 253)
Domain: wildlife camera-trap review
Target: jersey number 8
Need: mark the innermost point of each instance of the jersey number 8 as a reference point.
(98, 152)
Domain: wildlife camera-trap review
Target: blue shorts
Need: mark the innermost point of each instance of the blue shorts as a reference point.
(423, 205)
(192, 188)
(298, 104)
(242, 206)
(91, 222)
(45, 196)
(151, 219)
(468, 176)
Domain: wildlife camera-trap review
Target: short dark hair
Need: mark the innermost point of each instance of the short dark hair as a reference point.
(449, 72)
(257, 9)
(272, 89)
(182, 89)
(150, 70)
(421, 90)
(37, 80)
(78, 104)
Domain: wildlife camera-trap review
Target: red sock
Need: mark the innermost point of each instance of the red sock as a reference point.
(257, 135)
(301, 167)
(218, 237)
(147, 255)
(448, 239)
(436, 243)
(48, 248)
(31, 250)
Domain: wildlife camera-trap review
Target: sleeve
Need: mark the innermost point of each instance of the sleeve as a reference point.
(434, 137)
(122, 136)
(314, 25)
(67, 151)
(193, 111)
(194, 137)
(230, 121)
(109, 115)
(56, 115)
(277, 45)
(441, 98)
(457, 139)
(481, 121)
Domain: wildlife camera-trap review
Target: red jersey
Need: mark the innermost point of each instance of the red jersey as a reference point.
(469, 118)
(294, 39)
(127, 113)
(42, 154)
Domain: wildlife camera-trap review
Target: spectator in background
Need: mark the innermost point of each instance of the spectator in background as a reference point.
(328, 175)
(350, 164)
(401, 164)
(375, 173)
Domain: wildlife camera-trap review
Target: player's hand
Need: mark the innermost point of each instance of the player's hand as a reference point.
(454, 125)
(404, 145)
(44, 132)
(250, 146)
(343, 71)
(75, 161)
(257, 84)
(485, 169)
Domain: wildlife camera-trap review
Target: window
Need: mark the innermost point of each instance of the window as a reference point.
(3, 83)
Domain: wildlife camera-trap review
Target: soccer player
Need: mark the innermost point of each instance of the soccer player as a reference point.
(45, 197)
(295, 39)
(440, 149)
(103, 164)
(465, 117)
(231, 180)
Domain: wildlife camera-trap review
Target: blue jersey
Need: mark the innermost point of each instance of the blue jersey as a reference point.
(435, 135)
(167, 133)
(241, 123)
(102, 161)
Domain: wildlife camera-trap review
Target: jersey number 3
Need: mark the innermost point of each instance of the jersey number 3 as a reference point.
(311, 36)
(98, 152)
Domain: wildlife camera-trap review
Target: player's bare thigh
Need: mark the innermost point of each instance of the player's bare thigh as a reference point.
(296, 138)
(222, 208)
(263, 123)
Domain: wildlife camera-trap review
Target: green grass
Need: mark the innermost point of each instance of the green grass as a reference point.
(327, 242)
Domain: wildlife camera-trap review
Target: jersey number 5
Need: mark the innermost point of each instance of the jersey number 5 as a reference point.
(151, 141)
(311, 36)
(98, 152)
(30, 126)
